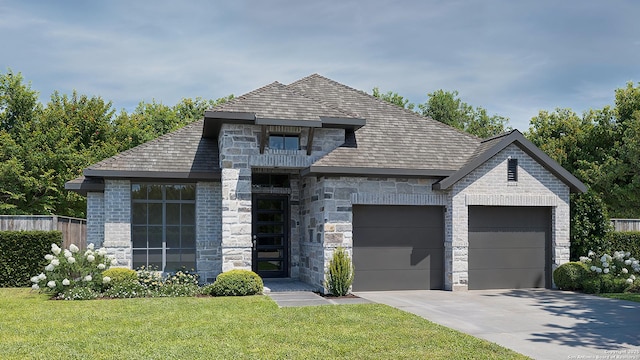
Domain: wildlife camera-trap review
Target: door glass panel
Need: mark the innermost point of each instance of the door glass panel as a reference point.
(270, 240)
(270, 229)
(273, 217)
(270, 265)
(270, 204)
(270, 253)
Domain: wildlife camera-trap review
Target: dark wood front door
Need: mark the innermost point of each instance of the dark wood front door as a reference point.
(270, 235)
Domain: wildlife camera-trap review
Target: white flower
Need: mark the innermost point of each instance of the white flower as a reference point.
(55, 262)
(591, 253)
(55, 249)
(627, 262)
(88, 278)
(584, 259)
(605, 264)
(102, 251)
(66, 282)
(603, 258)
(598, 270)
(593, 268)
(114, 261)
(624, 270)
(71, 260)
(106, 280)
(74, 248)
(627, 254)
(101, 266)
(49, 267)
(34, 279)
(606, 271)
(90, 246)
(88, 252)
(67, 253)
(51, 284)
(42, 276)
(629, 281)
(619, 255)
(632, 277)
(35, 287)
(48, 257)
(91, 258)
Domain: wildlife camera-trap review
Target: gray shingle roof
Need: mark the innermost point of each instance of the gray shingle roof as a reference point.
(179, 154)
(393, 138)
(276, 101)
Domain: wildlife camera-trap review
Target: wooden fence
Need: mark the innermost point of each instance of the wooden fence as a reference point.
(74, 231)
(626, 224)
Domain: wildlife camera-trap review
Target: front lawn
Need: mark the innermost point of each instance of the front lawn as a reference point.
(623, 296)
(32, 327)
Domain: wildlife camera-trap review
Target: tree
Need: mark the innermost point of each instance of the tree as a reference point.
(393, 98)
(448, 108)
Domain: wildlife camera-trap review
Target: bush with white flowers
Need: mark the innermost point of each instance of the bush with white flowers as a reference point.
(70, 269)
(616, 270)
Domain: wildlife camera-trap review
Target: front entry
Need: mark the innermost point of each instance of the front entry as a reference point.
(270, 217)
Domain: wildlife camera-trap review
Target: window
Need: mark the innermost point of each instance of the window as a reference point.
(284, 142)
(512, 170)
(163, 226)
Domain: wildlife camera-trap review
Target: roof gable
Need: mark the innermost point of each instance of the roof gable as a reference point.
(492, 146)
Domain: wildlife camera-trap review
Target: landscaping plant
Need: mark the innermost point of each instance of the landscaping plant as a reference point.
(611, 273)
(72, 274)
(340, 274)
(570, 276)
(235, 283)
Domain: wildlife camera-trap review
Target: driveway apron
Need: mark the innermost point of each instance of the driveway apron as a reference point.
(542, 324)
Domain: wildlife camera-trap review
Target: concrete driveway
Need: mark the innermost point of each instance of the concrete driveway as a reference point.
(542, 324)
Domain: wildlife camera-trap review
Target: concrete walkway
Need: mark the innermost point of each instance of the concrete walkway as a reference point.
(294, 293)
(542, 324)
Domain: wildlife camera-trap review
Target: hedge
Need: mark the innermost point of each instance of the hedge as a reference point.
(624, 241)
(22, 255)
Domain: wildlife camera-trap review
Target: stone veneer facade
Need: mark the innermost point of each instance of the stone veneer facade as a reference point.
(321, 207)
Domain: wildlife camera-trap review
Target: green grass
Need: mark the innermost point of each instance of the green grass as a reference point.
(623, 296)
(32, 327)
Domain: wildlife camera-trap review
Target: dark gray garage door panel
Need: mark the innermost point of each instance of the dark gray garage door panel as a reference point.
(398, 247)
(508, 247)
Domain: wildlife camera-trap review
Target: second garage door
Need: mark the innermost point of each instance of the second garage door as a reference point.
(509, 247)
(398, 247)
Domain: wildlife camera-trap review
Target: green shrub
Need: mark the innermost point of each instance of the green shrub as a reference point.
(125, 290)
(613, 284)
(182, 277)
(177, 290)
(22, 254)
(237, 283)
(340, 273)
(589, 224)
(627, 240)
(120, 276)
(79, 293)
(591, 285)
(570, 276)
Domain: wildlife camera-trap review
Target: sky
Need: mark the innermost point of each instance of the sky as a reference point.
(512, 58)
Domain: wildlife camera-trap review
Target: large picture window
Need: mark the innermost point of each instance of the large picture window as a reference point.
(163, 226)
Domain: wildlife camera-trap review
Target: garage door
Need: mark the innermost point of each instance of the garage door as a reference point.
(509, 247)
(398, 247)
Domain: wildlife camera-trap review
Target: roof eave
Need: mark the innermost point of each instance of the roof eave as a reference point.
(382, 172)
(575, 185)
(178, 175)
(83, 185)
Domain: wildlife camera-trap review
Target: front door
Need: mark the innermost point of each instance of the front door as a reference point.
(270, 235)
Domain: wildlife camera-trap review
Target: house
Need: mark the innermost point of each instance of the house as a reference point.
(276, 179)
